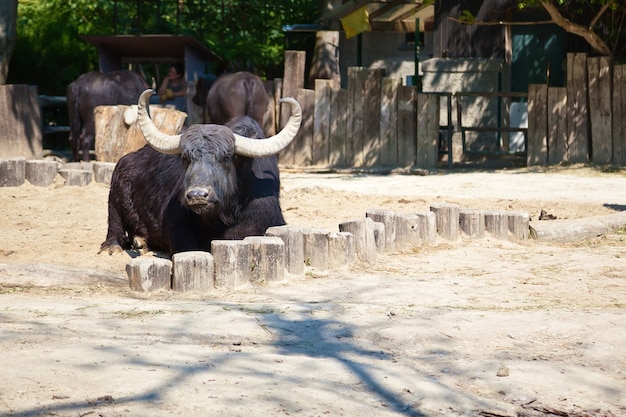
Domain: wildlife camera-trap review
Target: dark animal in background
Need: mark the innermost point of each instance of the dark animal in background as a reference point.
(232, 95)
(183, 191)
(96, 89)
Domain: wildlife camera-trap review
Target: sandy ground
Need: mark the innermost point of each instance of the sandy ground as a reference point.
(480, 327)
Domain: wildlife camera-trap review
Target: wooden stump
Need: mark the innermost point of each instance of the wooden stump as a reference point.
(193, 271)
(267, 259)
(232, 263)
(316, 248)
(293, 239)
(76, 177)
(428, 227)
(149, 274)
(364, 241)
(497, 223)
(447, 220)
(115, 138)
(472, 222)
(103, 171)
(519, 224)
(12, 172)
(41, 173)
(408, 233)
(388, 218)
(341, 250)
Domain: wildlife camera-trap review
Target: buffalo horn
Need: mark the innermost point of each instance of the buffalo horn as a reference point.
(257, 148)
(169, 144)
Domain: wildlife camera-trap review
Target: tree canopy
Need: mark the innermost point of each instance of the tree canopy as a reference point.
(246, 33)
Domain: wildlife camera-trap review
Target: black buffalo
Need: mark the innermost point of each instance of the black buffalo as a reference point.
(232, 95)
(96, 89)
(183, 191)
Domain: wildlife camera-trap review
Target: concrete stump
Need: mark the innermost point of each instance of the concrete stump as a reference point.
(293, 239)
(341, 250)
(12, 172)
(232, 263)
(472, 222)
(519, 224)
(364, 241)
(388, 218)
(103, 171)
(316, 248)
(497, 223)
(267, 259)
(193, 271)
(447, 220)
(427, 227)
(149, 274)
(76, 177)
(408, 233)
(40, 172)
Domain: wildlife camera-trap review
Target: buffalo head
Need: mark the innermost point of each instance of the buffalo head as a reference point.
(209, 151)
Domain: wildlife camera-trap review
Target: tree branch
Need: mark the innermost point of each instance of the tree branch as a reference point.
(590, 36)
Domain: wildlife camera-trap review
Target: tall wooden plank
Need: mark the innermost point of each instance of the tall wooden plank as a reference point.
(557, 125)
(321, 123)
(389, 121)
(293, 78)
(20, 124)
(427, 131)
(304, 139)
(598, 70)
(338, 121)
(577, 105)
(354, 128)
(537, 152)
(619, 114)
(407, 126)
(371, 117)
(269, 120)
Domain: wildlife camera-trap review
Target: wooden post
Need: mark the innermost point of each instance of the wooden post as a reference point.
(619, 114)
(537, 152)
(321, 123)
(497, 223)
(407, 126)
(427, 110)
(12, 172)
(338, 121)
(267, 257)
(389, 121)
(557, 125)
(371, 118)
(341, 250)
(269, 120)
(364, 241)
(302, 144)
(599, 70)
(355, 114)
(293, 78)
(577, 108)
(518, 222)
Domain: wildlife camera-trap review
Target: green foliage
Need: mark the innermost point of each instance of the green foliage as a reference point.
(247, 34)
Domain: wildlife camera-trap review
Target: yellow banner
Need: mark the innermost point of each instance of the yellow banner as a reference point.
(356, 22)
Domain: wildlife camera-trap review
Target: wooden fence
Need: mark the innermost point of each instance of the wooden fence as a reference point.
(582, 122)
(379, 123)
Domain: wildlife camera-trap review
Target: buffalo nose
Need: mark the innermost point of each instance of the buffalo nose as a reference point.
(197, 194)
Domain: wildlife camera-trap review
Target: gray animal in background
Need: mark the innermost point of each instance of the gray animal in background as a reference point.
(97, 89)
(232, 95)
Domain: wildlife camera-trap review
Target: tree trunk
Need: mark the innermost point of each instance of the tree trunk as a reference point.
(8, 35)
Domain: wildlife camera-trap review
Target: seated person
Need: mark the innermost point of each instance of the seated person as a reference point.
(173, 88)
